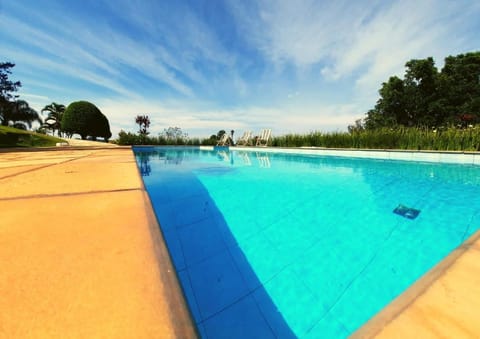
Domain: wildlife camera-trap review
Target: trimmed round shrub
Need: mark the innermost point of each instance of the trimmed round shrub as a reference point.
(84, 118)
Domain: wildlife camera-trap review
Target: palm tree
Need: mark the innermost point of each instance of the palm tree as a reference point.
(54, 118)
(19, 113)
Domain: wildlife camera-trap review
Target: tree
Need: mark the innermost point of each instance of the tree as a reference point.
(143, 122)
(358, 127)
(428, 98)
(19, 114)
(421, 78)
(84, 118)
(54, 117)
(174, 135)
(7, 88)
(459, 86)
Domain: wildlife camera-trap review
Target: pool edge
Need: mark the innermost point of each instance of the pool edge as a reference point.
(388, 318)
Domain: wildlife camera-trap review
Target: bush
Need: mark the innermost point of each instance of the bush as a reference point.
(84, 118)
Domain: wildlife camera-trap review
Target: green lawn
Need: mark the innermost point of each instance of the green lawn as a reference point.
(12, 137)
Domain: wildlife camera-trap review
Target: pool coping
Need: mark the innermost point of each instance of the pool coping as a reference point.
(452, 157)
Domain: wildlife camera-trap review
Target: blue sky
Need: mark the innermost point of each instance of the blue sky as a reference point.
(205, 65)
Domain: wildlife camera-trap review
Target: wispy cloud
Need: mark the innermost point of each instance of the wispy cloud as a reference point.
(292, 66)
(363, 40)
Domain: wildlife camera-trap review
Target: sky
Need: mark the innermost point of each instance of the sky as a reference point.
(294, 66)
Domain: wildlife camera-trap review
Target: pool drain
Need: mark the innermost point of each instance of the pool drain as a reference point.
(407, 212)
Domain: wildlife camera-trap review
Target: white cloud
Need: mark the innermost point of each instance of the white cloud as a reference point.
(206, 121)
(367, 41)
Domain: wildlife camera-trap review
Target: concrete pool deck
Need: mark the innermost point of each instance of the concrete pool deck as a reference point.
(81, 256)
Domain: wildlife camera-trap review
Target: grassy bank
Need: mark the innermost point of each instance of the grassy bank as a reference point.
(451, 139)
(12, 137)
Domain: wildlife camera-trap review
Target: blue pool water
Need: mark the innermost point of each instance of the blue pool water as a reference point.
(284, 246)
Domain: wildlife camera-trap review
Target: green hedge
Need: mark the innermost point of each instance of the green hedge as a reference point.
(84, 118)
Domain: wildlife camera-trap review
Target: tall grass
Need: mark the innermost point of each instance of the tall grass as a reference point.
(449, 139)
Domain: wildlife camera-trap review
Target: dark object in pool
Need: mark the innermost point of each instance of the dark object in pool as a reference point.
(407, 212)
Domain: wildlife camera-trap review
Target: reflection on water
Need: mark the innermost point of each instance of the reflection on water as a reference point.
(263, 160)
(177, 157)
(144, 164)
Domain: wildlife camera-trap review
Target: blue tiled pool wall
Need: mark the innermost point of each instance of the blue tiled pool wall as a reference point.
(224, 295)
(247, 273)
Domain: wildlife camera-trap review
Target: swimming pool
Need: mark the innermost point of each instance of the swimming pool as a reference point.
(289, 245)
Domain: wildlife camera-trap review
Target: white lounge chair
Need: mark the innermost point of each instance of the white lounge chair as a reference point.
(224, 140)
(262, 139)
(245, 138)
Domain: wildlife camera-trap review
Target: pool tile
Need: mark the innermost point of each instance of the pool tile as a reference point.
(406, 156)
(189, 295)
(291, 237)
(158, 193)
(327, 327)
(240, 320)
(238, 227)
(184, 187)
(320, 270)
(257, 260)
(461, 158)
(201, 330)
(291, 296)
(200, 240)
(476, 159)
(352, 310)
(272, 315)
(165, 215)
(193, 209)
(426, 157)
(174, 248)
(217, 283)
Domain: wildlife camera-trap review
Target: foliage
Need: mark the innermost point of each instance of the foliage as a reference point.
(128, 138)
(7, 88)
(54, 117)
(143, 122)
(13, 111)
(19, 114)
(12, 137)
(84, 118)
(429, 98)
(358, 127)
(413, 138)
(175, 136)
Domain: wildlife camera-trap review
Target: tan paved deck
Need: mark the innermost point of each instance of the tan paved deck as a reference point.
(81, 255)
